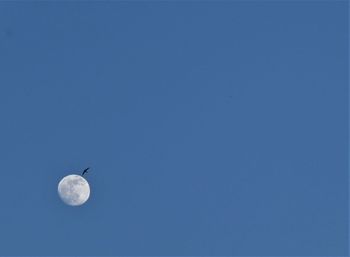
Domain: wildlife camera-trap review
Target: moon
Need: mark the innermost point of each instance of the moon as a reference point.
(74, 190)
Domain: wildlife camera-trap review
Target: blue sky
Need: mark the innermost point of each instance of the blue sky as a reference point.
(211, 128)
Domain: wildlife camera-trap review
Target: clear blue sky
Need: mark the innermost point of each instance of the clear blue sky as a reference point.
(211, 128)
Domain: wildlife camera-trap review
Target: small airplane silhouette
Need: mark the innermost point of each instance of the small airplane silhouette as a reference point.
(85, 171)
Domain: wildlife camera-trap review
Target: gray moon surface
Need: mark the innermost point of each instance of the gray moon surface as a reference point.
(74, 190)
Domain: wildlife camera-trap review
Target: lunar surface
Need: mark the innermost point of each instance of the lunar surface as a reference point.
(74, 190)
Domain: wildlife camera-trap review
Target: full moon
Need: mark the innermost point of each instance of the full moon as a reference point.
(74, 190)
